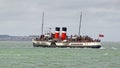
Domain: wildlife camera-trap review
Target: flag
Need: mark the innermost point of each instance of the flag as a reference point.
(101, 35)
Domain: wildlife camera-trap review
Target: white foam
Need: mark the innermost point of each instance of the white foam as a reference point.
(114, 48)
(102, 48)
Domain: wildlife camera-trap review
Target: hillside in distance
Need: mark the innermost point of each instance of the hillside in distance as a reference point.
(17, 38)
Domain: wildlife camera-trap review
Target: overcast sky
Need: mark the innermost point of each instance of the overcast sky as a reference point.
(24, 17)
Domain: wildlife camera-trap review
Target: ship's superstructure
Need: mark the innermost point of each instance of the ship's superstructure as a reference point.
(62, 40)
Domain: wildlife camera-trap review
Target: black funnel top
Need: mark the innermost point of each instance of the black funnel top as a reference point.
(64, 29)
(57, 29)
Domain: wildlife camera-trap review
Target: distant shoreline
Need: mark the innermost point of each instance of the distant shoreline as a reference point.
(26, 38)
(17, 38)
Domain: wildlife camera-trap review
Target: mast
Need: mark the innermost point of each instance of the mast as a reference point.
(80, 24)
(42, 22)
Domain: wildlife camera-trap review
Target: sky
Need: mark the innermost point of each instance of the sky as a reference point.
(24, 17)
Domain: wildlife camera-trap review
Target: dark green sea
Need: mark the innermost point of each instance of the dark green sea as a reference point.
(23, 55)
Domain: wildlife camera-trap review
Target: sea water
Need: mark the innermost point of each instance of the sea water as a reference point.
(24, 55)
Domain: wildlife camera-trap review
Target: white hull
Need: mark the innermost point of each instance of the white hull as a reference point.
(65, 44)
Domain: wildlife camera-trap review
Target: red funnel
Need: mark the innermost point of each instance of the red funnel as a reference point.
(57, 33)
(64, 29)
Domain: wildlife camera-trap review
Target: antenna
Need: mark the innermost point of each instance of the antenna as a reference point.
(42, 22)
(80, 24)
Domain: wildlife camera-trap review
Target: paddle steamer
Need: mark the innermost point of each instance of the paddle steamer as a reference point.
(60, 39)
